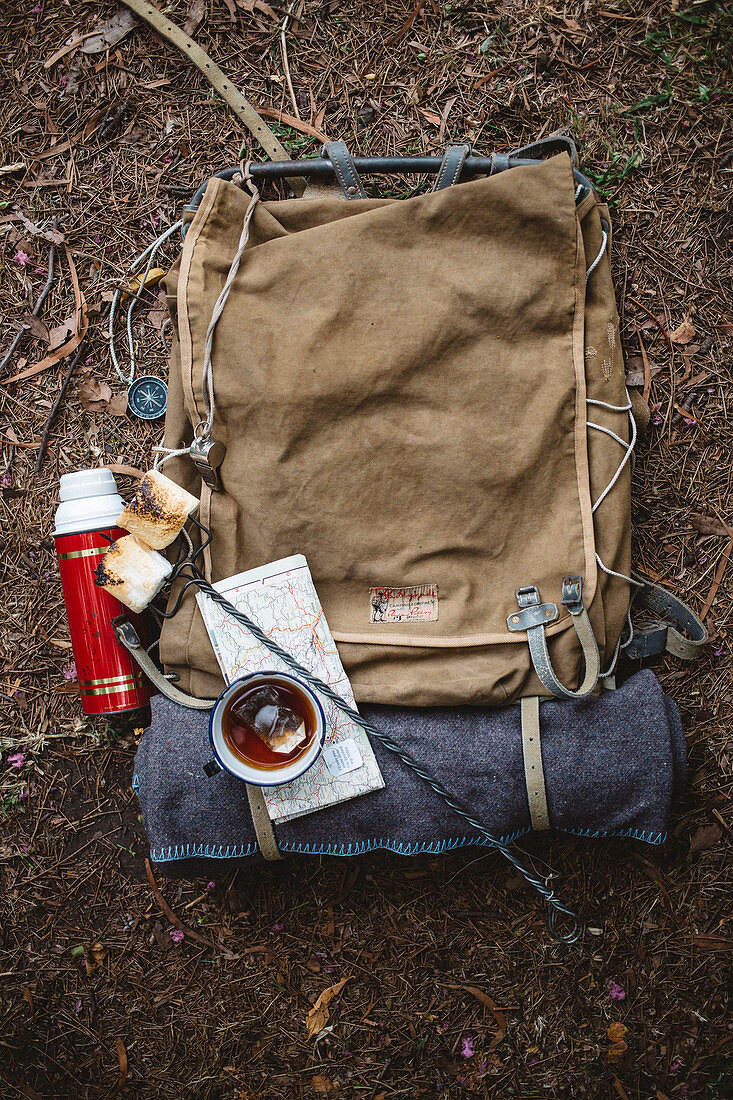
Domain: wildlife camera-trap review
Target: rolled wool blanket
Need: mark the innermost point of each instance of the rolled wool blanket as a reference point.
(614, 766)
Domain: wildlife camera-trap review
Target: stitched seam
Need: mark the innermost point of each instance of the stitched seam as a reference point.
(344, 172)
(582, 457)
(339, 171)
(443, 641)
(441, 172)
(356, 847)
(458, 165)
(230, 851)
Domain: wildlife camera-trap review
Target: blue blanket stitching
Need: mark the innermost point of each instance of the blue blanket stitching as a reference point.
(356, 848)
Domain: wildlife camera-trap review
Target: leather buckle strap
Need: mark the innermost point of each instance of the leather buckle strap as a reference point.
(533, 616)
(665, 635)
(451, 166)
(128, 638)
(548, 147)
(231, 95)
(343, 166)
(538, 150)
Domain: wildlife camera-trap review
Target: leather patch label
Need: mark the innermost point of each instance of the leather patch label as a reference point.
(418, 603)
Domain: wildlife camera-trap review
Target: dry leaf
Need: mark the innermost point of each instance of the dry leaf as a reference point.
(158, 315)
(617, 1032)
(60, 333)
(617, 1051)
(95, 396)
(493, 1008)
(712, 943)
(122, 1059)
(127, 471)
(635, 370)
(36, 327)
(110, 32)
(152, 278)
(707, 836)
(317, 1018)
(706, 525)
(430, 116)
(232, 10)
(620, 1089)
(725, 327)
(94, 955)
(51, 235)
(118, 404)
(683, 333)
(322, 1086)
(194, 15)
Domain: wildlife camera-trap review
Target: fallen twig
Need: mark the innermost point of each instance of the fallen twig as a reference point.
(169, 912)
(722, 566)
(55, 408)
(37, 307)
(82, 324)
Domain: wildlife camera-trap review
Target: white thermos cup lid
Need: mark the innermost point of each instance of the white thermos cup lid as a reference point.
(89, 502)
(87, 483)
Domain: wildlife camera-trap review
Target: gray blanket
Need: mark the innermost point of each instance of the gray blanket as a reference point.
(614, 766)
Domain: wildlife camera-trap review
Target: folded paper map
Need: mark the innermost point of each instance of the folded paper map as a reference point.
(282, 600)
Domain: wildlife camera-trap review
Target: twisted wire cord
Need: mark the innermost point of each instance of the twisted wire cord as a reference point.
(556, 907)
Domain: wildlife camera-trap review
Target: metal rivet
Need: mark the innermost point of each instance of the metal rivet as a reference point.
(515, 618)
(351, 190)
(548, 613)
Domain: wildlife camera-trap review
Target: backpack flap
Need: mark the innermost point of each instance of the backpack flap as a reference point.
(404, 391)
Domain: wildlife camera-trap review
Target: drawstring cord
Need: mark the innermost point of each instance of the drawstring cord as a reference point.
(202, 431)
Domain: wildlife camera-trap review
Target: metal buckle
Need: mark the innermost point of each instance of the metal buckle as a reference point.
(572, 594)
(528, 596)
(531, 611)
(125, 632)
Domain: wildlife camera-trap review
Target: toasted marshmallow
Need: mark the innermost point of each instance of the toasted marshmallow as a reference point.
(132, 572)
(158, 510)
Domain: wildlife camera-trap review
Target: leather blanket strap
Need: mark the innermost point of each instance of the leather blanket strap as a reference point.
(665, 635)
(219, 81)
(261, 821)
(534, 772)
(128, 638)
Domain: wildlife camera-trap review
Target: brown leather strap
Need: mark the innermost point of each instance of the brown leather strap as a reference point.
(219, 81)
(263, 825)
(534, 773)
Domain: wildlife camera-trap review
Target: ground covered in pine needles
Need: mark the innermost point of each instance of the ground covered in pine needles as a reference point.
(454, 986)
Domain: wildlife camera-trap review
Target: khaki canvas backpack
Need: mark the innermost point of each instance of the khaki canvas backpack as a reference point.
(426, 397)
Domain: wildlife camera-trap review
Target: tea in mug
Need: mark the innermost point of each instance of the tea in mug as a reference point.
(269, 725)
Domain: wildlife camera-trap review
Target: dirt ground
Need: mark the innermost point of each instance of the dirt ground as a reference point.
(454, 986)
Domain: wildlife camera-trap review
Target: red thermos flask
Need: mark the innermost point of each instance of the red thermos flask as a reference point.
(109, 679)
